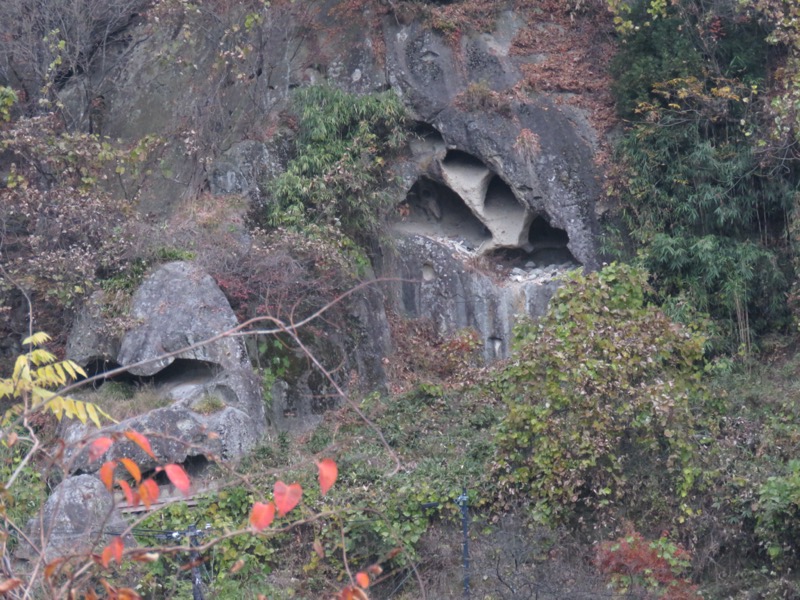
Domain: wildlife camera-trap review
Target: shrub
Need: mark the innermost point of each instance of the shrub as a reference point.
(778, 515)
(338, 177)
(600, 397)
(658, 567)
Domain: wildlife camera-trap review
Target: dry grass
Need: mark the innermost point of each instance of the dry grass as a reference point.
(125, 400)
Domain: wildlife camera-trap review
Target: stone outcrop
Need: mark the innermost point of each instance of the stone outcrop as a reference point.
(179, 305)
(437, 286)
(78, 518)
(216, 403)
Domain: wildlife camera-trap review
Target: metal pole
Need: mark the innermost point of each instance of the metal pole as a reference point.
(194, 556)
(463, 503)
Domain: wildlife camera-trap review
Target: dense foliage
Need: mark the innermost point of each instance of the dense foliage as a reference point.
(338, 177)
(707, 193)
(601, 398)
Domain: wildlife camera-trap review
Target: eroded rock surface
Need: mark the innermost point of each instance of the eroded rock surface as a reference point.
(437, 286)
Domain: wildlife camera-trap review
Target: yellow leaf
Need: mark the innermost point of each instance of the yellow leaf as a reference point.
(69, 407)
(80, 409)
(62, 375)
(56, 406)
(37, 339)
(21, 368)
(90, 410)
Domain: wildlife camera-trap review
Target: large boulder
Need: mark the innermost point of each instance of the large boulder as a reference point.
(179, 306)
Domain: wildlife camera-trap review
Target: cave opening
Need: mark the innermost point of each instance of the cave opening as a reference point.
(459, 158)
(433, 209)
(547, 245)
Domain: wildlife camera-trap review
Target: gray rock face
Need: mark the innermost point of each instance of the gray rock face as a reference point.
(90, 338)
(79, 517)
(540, 152)
(179, 305)
(240, 169)
(216, 403)
(438, 287)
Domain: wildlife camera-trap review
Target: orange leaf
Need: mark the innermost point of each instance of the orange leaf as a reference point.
(116, 546)
(127, 594)
(105, 558)
(262, 515)
(51, 567)
(132, 468)
(141, 441)
(130, 496)
(359, 594)
(374, 570)
(10, 584)
(237, 566)
(362, 579)
(328, 472)
(107, 473)
(148, 492)
(98, 447)
(178, 477)
(286, 496)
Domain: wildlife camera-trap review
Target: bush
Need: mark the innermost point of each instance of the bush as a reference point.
(778, 516)
(600, 396)
(657, 567)
(339, 177)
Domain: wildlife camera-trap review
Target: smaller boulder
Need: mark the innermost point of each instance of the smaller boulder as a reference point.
(78, 518)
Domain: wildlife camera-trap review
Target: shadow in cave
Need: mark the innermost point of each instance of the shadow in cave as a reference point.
(459, 158)
(181, 370)
(432, 209)
(547, 245)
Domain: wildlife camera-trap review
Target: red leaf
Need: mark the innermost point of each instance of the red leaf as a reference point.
(98, 447)
(286, 496)
(116, 546)
(328, 472)
(262, 515)
(113, 550)
(178, 477)
(132, 468)
(107, 474)
(127, 594)
(148, 492)
(362, 579)
(131, 497)
(51, 567)
(141, 441)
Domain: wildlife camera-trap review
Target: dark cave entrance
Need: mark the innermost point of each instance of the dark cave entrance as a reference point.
(434, 210)
(547, 245)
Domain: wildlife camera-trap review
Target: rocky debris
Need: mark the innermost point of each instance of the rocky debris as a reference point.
(78, 518)
(177, 306)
